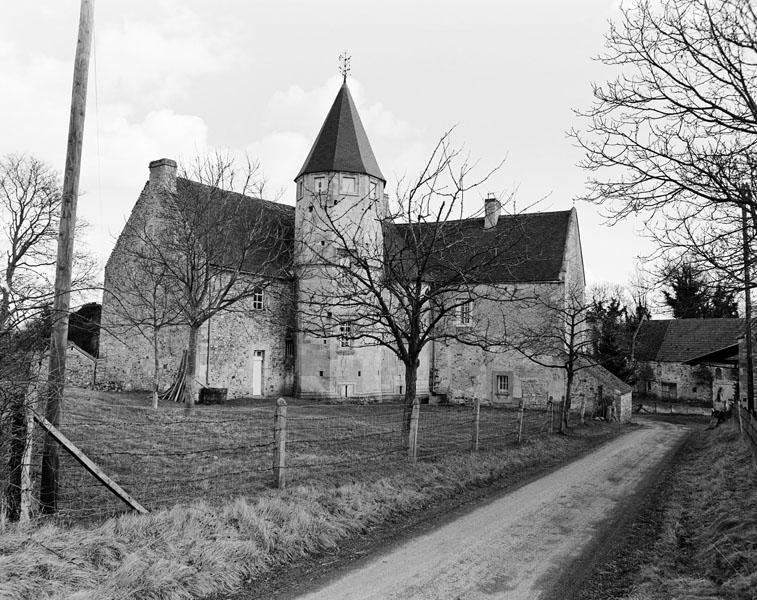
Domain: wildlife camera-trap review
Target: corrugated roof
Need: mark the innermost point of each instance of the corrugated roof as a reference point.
(342, 144)
(530, 246)
(680, 340)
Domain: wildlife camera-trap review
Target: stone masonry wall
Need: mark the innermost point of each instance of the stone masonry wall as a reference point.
(463, 372)
(234, 337)
(690, 386)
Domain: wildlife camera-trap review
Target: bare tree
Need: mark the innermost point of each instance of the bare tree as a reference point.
(145, 301)
(30, 199)
(673, 136)
(559, 338)
(211, 244)
(405, 275)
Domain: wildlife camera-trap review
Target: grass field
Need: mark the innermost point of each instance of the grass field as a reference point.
(199, 548)
(163, 457)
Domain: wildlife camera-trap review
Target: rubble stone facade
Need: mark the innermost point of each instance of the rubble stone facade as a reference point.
(253, 350)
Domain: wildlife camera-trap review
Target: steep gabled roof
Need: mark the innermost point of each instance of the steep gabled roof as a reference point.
(680, 340)
(272, 221)
(608, 380)
(531, 246)
(342, 144)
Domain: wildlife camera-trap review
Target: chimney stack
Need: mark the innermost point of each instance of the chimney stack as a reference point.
(491, 211)
(163, 174)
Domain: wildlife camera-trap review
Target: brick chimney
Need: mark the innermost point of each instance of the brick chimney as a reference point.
(163, 174)
(491, 211)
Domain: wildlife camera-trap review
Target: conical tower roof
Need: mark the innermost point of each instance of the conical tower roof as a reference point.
(342, 144)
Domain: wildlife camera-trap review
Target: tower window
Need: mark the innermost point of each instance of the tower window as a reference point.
(289, 348)
(373, 193)
(300, 188)
(463, 315)
(319, 185)
(345, 333)
(349, 185)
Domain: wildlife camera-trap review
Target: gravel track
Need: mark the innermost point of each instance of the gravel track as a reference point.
(521, 544)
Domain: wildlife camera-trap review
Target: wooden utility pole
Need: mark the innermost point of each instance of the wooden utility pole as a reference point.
(747, 304)
(62, 301)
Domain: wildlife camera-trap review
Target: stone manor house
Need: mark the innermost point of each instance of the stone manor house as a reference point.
(257, 350)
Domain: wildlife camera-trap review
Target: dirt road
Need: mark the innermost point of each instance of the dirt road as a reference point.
(519, 545)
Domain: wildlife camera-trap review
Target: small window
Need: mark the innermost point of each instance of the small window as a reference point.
(320, 373)
(345, 334)
(373, 192)
(300, 188)
(257, 299)
(310, 208)
(319, 185)
(349, 185)
(503, 384)
(464, 314)
(289, 348)
(718, 373)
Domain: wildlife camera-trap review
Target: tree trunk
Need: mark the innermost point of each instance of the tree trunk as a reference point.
(190, 383)
(17, 447)
(155, 367)
(411, 384)
(566, 403)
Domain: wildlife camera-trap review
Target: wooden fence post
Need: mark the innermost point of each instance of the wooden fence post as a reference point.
(412, 438)
(280, 443)
(476, 422)
(522, 411)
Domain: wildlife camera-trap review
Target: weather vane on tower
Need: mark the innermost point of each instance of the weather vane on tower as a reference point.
(344, 65)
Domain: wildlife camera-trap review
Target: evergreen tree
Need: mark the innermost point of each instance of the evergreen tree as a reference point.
(723, 302)
(691, 295)
(609, 320)
(687, 294)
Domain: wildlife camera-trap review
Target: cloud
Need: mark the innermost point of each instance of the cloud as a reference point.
(153, 64)
(281, 154)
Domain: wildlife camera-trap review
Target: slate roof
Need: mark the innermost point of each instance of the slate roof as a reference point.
(530, 246)
(273, 223)
(680, 340)
(342, 144)
(608, 380)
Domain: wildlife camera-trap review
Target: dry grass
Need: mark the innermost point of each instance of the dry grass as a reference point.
(707, 547)
(163, 457)
(194, 550)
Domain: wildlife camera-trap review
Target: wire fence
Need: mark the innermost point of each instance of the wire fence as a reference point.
(164, 457)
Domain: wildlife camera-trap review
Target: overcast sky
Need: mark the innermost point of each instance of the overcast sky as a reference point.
(174, 78)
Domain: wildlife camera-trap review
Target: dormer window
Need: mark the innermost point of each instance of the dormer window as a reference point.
(349, 185)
